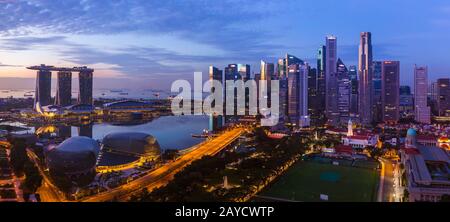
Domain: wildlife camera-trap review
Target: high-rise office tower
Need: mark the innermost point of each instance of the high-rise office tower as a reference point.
(283, 99)
(313, 103)
(331, 103)
(443, 94)
(86, 87)
(321, 78)
(406, 101)
(291, 60)
(284, 63)
(298, 95)
(43, 88)
(281, 70)
(244, 71)
(282, 75)
(353, 75)
(231, 73)
(216, 121)
(267, 71)
(421, 109)
(390, 91)
(64, 89)
(365, 78)
(376, 91)
(344, 90)
(434, 98)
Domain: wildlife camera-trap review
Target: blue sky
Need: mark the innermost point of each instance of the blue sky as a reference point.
(150, 43)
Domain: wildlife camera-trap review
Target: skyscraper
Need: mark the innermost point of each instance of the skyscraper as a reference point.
(331, 103)
(43, 87)
(365, 78)
(390, 91)
(353, 75)
(298, 95)
(86, 87)
(215, 120)
(64, 89)
(406, 101)
(281, 69)
(244, 71)
(231, 73)
(321, 79)
(443, 93)
(376, 91)
(282, 75)
(314, 106)
(434, 98)
(421, 109)
(267, 71)
(344, 90)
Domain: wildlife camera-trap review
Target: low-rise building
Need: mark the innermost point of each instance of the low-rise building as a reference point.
(426, 169)
(359, 140)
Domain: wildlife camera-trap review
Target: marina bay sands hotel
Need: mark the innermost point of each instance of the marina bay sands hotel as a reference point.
(64, 85)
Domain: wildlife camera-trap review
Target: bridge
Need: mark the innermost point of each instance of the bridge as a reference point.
(163, 175)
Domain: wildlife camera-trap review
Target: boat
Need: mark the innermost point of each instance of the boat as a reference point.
(123, 94)
(28, 95)
(116, 91)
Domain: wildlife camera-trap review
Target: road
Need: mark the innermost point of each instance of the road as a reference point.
(48, 192)
(387, 182)
(165, 174)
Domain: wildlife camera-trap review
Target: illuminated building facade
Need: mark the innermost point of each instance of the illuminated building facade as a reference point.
(390, 88)
(421, 109)
(365, 78)
(64, 89)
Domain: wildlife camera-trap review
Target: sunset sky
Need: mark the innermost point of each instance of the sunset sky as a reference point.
(150, 43)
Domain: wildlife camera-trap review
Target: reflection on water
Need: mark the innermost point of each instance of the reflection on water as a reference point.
(172, 132)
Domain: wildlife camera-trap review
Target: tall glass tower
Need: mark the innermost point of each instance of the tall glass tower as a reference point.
(64, 89)
(421, 109)
(331, 103)
(43, 87)
(390, 99)
(365, 78)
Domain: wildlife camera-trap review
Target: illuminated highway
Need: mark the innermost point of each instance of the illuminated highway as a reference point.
(48, 192)
(161, 176)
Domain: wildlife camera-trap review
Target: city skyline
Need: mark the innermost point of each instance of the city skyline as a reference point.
(128, 49)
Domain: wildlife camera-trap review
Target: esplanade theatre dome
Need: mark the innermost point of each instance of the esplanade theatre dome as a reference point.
(74, 159)
(133, 144)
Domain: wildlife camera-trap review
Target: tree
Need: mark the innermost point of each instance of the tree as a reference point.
(18, 155)
(445, 198)
(405, 195)
(33, 178)
(374, 152)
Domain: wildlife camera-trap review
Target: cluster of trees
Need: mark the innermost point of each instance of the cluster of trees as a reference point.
(201, 181)
(22, 165)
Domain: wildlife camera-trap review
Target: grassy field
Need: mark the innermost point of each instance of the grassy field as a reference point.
(305, 181)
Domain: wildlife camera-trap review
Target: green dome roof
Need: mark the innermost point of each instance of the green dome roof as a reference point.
(411, 132)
